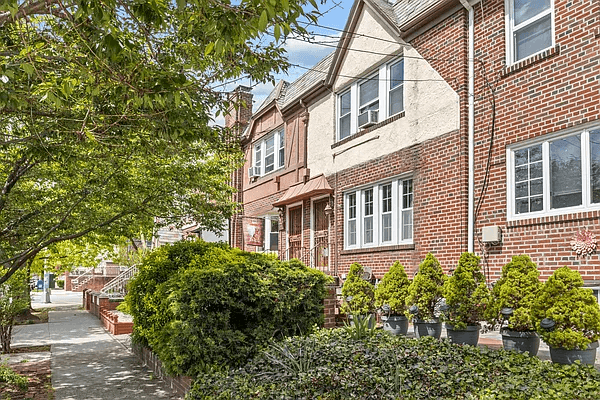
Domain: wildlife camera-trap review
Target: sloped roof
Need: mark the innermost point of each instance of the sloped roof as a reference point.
(407, 10)
(300, 191)
(276, 94)
(316, 74)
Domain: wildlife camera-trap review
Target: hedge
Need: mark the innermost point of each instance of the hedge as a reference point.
(330, 365)
(199, 305)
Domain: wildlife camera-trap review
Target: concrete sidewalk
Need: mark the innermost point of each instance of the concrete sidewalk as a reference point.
(87, 362)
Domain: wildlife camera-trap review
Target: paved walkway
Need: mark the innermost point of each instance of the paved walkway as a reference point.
(87, 362)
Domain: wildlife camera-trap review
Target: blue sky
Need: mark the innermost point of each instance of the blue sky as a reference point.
(335, 14)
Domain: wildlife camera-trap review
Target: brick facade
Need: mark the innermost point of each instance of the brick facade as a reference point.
(541, 95)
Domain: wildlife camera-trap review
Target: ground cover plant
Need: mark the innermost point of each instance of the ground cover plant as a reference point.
(333, 364)
(200, 305)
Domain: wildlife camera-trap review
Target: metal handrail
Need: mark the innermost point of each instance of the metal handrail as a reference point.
(87, 275)
(118, 286)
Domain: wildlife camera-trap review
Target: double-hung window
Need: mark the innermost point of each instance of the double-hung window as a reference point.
(269, 153)
(530, 28)
(379, 215)
(558, 175)
(371, 100)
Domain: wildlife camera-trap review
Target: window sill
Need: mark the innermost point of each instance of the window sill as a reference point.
(582, 215)
(409, 246)
(536, 58)
(369, 129)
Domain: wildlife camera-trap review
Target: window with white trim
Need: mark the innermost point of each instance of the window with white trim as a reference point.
(530, 28)
(271, 237)
(371, 100)
(555, 176)
(379, 215)
(269, 153)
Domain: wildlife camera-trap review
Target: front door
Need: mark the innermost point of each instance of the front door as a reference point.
(320, 250)
(295, 233)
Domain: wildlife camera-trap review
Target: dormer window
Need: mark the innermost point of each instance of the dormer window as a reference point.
(371, 100)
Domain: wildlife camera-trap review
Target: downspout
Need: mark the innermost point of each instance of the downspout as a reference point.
(471, 126)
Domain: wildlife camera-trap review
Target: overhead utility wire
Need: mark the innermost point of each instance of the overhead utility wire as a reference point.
(337, 46)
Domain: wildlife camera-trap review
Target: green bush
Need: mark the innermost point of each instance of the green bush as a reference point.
(517, 288)
(357, 293)
(332, 365)
(393, 290)
(574, 309)
(426, 289)
(60, 283)
(466, 293)
(8, 377)
(217, 306)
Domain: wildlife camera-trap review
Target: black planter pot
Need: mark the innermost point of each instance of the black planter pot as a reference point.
(428, 328)
(521, 342)
(469, 336)
(395, 324)
(560, 355)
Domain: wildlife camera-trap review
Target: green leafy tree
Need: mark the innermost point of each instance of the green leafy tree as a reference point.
(393, 290)
(13, 301)
(466, 293)
(574, 309)
(518, 289)
(358, 294)
(426, 289)
(105, 112)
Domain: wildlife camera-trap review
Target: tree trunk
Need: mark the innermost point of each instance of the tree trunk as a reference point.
(6, 337)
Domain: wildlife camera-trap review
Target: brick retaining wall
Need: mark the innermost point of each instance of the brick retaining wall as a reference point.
(180, 384)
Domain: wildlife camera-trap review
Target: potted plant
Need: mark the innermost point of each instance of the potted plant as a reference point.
(425, 295)
(358, 295)
(512, 298)
(567, 317)
(390, 297)
(467, 297)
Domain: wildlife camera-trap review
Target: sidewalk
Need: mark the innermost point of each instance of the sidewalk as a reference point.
(86, 361)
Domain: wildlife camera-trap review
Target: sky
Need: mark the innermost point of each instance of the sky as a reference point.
(302, 54)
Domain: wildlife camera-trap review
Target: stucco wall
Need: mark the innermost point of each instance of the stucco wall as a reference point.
(431, 105)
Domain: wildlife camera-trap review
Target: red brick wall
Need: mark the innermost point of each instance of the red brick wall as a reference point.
(538, 97)
(439, 215)
(180, 384)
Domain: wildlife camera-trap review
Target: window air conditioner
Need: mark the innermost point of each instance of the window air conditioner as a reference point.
(368, 118)
(253, 171)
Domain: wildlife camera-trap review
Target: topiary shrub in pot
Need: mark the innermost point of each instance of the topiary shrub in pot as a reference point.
(358, 295)
(390, 297)
(467, 298)
(425, 294)
(513, 296)
(567, 317)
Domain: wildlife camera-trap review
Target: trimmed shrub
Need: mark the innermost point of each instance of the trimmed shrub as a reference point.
(358, 294)
(332, 365)
(393, 290)
(219, 305)
(574, 309)
(8, 377)
(518, 289)
(466, 293)
(426, 289)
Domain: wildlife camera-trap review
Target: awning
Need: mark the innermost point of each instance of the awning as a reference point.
(300, 191)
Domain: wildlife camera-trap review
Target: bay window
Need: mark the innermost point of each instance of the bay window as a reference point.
(379, 215)
(554, 176)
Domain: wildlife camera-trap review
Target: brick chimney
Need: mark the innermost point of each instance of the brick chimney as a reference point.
(237, 119)
(239, 112)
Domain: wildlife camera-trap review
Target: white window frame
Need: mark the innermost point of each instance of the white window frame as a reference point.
(586, 193)
(511, 57)
(397, 208)
(260, 147)
(383, 71)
